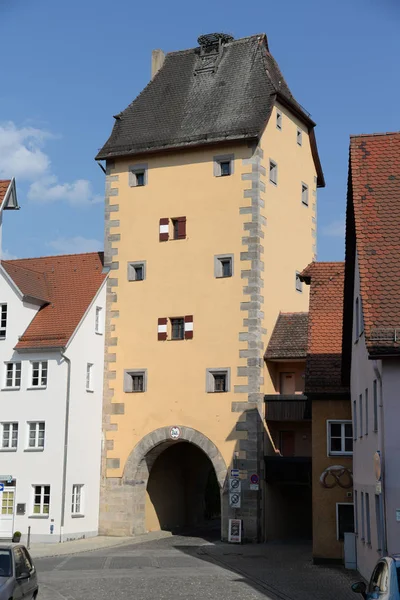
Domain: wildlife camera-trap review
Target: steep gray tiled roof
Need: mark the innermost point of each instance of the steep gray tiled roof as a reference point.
(289, 338)
(181, 108)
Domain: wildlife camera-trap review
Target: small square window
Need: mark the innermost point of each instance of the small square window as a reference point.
(140, 178)
(273, 172)
(299, 137)
(138, 175)
(223, 266)
(218, 380)
(137, 271)
(135, 381)
(225, 168)
(223, 165)
(299, 283)
(278, 119)
(177, 328)
(304, 193)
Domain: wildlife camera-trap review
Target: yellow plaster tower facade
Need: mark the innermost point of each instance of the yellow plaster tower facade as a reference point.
(211, 186)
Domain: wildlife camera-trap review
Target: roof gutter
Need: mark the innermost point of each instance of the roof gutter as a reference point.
(66, 432)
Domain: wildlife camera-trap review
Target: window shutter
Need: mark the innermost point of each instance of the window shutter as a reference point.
(181, 228)
(162, 329)
(189, 327)
(164, 230)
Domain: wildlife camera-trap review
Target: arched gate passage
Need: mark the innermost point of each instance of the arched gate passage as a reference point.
(144, 457)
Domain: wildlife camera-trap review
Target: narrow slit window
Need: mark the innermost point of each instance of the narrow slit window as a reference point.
(225, 168)
(3, 321)
(140, 180)
(299, 137)
(304, 194)
(273, 172)
(89, 377)
(98, 322)
(279, 120)
(299, 283)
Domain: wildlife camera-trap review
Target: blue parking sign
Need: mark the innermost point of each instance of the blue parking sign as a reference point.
(1, 487)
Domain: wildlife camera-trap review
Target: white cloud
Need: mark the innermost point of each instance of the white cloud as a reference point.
(335, 228)
(75, 245)
(20, 152)
(22, 156)
(6, 255)
(49, 189)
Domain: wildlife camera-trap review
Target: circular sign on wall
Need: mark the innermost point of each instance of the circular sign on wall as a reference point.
(254, 479)
(175, 432)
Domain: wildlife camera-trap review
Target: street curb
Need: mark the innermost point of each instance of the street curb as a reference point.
(140, 539)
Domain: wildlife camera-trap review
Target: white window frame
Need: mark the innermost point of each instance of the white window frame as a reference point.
(341, 422)
(14, 373)
(40, 369)
(13, 427)
(132, 266)
(3, 321)
(89, 377)
(299, 283)
(337, 515)
(279, 119)
(41, 512)
(35, 426)
(299, 136)
(98, 322)
(77, 492)
(210, 380)
(304, 193)
(273, 172)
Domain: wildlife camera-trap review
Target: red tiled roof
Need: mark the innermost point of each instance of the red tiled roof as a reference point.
(325, 325)
(71, 282)
(32, 284)
(4, 185)
(289, 337)
(374, 191)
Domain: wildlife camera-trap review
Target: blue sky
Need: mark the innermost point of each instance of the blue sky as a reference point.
(67, 67)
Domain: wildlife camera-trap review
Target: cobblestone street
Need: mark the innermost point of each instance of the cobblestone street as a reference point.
(192, 568)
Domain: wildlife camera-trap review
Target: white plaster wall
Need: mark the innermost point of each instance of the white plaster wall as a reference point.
(362, 378)
(84, 444)
(391, 418)
(45, 467)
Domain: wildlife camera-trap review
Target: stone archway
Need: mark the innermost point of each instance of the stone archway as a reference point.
(143, 457)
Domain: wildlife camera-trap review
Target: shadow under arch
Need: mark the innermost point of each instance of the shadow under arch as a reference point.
(143, 456)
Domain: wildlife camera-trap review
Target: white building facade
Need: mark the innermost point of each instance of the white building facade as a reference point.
(51, 396)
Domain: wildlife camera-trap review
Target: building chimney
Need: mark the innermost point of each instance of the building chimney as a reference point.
(157, 61)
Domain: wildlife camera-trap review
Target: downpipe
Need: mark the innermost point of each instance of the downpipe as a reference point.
(381, 426)
(66, 432)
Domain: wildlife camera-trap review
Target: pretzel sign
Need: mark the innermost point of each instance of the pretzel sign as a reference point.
(336, 475)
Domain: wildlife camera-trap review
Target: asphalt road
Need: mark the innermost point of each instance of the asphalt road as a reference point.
(172, 568)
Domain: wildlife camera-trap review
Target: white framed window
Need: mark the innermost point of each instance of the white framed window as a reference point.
(13, 375)
(89, 377)
(367, 519)
(223, 265)
(360, 407)
(39, 374)
(299, 137)
(340, 438)
(218, 380)
(279, 120)
(273, 172)
(362, 518)
(3, 321)
(366, 411)
(9, 436)
(138, 175)
(304, 194)
(137, 271)
(41, 500)
(135, 380)
(36, 435)
(98, 323)
(223, 165)
(77, 499)
(299, 283)
(354, 420)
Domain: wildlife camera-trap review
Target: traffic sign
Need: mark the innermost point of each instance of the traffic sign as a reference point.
(254, 479)
(234, 500)
(235, 531)
(1, 487)
(235, 485)
(175, 432)
(234, 472)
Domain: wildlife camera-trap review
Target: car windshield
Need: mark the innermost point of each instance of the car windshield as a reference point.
(5, 563)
